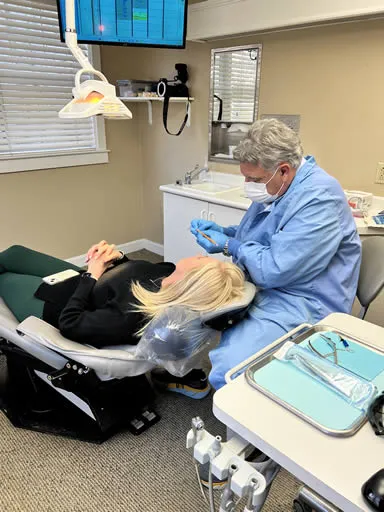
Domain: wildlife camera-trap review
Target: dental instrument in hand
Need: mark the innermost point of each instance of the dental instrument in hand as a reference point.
(207, 237)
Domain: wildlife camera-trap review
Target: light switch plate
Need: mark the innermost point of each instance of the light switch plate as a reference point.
(293, 121)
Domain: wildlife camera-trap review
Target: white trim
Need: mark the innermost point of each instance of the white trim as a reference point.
(251, 17)
(154, 247)
(211, 4)
(135, 245)
(50, 161)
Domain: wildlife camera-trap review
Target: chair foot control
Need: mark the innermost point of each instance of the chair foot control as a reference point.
(143, 421)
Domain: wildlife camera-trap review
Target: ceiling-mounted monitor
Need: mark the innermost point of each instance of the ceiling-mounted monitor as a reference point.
(160, 23)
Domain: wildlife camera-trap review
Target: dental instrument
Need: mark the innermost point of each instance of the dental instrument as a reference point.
(333, 346)
(228, 502)
(92, 97)
(356, 390)
(207, 237)
(226, 460)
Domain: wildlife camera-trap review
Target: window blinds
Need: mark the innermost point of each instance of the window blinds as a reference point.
(36, 79)
(235, 75)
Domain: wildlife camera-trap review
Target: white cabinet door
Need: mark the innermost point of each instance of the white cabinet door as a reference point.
(224, 216)
(178, 212)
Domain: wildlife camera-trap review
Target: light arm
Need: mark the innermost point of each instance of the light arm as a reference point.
(91, 97)
(71, 36)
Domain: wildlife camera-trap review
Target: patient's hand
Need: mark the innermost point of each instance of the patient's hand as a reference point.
(103, 250)
(97, 267)
(102, 260)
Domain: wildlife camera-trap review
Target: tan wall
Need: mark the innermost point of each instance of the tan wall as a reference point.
(167, 158)
(63, 211)
(331, 76)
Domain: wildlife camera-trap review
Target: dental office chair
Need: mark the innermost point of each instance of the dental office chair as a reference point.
(51, 384)
(371, 279)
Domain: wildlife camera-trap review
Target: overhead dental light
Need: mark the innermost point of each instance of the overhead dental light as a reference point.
(90, 97)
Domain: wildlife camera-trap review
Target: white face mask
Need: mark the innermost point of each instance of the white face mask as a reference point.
(258, 193)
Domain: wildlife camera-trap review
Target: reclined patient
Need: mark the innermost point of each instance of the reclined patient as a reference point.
(112, 302)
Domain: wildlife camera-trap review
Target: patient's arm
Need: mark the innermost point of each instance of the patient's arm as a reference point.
(100, 327)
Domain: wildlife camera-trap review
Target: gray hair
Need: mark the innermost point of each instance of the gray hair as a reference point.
(268, 143)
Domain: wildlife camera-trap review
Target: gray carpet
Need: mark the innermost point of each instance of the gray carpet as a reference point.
(152, 472)
(43, 473)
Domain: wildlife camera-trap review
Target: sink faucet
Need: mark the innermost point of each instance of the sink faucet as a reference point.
(195, 172)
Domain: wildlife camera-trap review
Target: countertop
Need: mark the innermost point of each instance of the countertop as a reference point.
(235, 198)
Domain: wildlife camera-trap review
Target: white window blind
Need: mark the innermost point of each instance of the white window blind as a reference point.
(234, 82)
(36, 78)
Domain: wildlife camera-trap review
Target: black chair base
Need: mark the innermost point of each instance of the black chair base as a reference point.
(30, 402)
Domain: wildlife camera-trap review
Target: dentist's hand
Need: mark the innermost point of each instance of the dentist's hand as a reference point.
(210, 247)
(204, 225)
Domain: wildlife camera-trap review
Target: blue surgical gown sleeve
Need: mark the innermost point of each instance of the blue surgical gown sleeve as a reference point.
(306, 241)
(230, 231)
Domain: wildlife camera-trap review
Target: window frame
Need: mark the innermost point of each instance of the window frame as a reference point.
(56, 159)
(214, 52)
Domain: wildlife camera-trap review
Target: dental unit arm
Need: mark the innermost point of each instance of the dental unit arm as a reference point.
(227, 462)
(92, 97)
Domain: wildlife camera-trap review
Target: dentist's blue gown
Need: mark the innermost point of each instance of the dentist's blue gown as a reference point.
(304, 252)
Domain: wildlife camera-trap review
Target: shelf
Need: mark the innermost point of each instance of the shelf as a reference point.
(149, 101)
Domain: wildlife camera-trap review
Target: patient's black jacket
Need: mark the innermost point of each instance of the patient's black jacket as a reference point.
(102, 312)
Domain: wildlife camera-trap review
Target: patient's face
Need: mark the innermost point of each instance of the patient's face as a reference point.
(185, 265)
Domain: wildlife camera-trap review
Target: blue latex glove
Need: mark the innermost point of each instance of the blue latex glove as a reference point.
(211, 248)
(204, 225)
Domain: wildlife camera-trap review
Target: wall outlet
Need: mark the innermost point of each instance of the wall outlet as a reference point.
(380, 173)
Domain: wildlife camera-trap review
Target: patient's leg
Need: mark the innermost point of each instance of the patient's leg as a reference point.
(21, 260)
(17, 291)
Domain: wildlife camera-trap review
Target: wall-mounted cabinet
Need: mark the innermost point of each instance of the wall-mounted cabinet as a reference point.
(218, 18)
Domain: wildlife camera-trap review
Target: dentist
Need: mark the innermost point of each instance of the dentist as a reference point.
(297, 242)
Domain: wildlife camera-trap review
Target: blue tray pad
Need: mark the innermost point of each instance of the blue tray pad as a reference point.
(314, 399)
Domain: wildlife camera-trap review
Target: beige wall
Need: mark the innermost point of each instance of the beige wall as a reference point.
(331, 76)
(63, 211)
(166, 158)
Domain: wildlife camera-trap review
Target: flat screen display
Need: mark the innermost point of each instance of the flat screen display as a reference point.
(129, 22)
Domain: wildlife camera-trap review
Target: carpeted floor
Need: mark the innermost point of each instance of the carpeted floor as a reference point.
(152, 472)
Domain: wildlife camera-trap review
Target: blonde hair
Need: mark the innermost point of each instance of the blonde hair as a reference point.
(202, 289)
